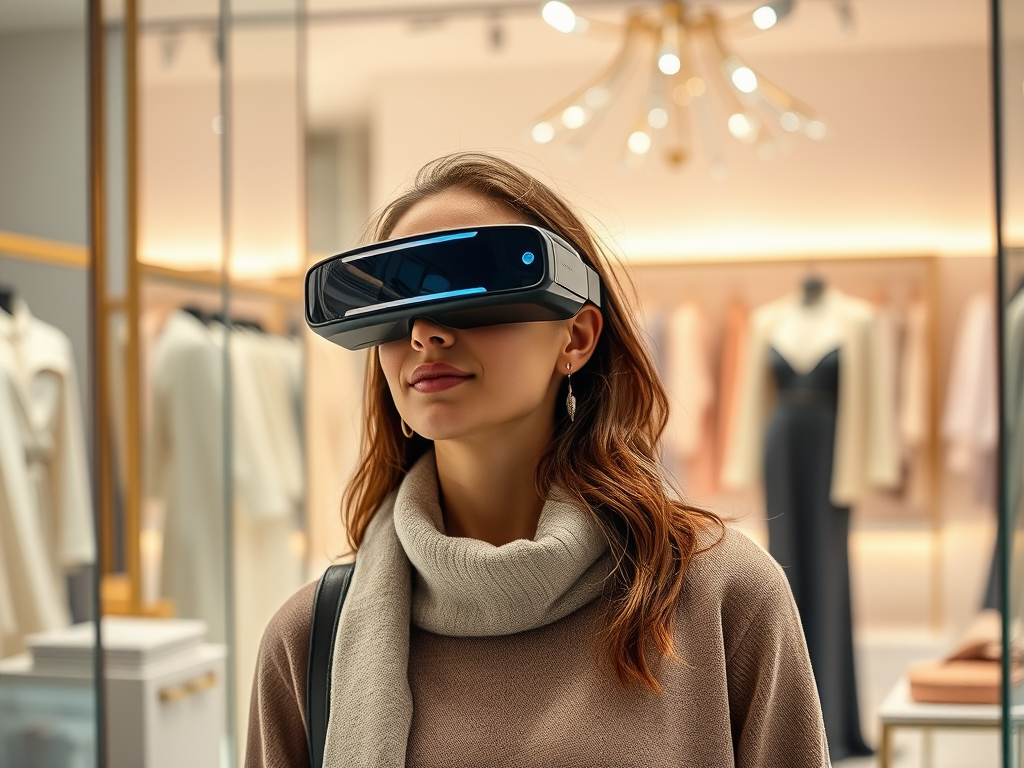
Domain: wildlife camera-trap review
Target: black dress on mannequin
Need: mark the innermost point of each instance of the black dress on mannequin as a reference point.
(808, 537)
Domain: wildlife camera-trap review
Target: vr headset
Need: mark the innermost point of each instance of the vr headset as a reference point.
(461, 278)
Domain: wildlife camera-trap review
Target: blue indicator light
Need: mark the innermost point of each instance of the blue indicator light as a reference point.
(528, 258)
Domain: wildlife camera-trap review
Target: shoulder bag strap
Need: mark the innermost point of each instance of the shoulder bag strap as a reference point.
(327, 604)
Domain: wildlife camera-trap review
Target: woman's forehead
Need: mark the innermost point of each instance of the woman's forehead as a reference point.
(454, 208)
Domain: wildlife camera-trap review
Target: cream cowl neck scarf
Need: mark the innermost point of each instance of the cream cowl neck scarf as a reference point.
(408, 570)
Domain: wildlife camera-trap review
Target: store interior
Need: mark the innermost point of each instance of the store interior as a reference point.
(164, 191)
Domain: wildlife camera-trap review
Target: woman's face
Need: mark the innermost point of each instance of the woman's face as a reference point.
(451, 383)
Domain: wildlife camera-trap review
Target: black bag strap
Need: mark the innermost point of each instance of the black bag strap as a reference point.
(327, 604)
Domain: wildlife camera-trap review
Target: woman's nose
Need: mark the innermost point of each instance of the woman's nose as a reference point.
(426, 334)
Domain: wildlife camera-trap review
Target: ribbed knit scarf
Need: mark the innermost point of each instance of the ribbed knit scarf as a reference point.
(408, 570)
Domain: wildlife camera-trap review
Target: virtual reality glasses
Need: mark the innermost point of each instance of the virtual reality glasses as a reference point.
(461, 278)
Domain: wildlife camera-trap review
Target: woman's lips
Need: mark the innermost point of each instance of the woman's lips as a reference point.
(439, 384)
(437, 377)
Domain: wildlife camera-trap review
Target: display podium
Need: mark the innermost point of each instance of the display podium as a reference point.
(165, 697)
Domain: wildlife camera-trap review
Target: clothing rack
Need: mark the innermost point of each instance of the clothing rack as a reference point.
(43, 250)
(932, 296)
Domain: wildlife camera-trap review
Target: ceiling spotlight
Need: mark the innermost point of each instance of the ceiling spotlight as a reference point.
(561, 17)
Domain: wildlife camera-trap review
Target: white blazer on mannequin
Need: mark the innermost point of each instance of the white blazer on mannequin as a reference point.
(865, 451)
(45, 501)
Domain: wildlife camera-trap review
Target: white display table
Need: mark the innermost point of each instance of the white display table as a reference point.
(900, 711)
(165, 694)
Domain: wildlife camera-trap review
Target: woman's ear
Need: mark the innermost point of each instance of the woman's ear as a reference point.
(584, 331)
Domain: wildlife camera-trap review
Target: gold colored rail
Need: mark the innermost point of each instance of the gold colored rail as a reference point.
(41, 249)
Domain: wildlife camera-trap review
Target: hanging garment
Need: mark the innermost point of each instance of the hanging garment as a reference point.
(865, 450)
(808, 535)
(335, 401)
(268, 487)
(46, 524)
(970, 423)
(734, 346)
(691, 390)
(185, 468)
(915, 404)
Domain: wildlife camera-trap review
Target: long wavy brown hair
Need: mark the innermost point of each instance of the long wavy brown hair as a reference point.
(607, 458)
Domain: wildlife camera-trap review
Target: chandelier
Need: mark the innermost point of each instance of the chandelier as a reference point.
(684, 58)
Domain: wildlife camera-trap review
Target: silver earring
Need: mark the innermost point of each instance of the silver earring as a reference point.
(406, 429)
(570, 399)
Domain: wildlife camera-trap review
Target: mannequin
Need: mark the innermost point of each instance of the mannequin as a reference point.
(815, 418)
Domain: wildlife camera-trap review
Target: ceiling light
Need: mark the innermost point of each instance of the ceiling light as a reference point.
(639, 142)
(765, 17)
(543, 132)
(669, 62)
(657, 118)
(597, 97)
(743, 127)
(790, 121)
(560, 16)
(815, 129)
(676, 95)
(744, 79)
(574, 117)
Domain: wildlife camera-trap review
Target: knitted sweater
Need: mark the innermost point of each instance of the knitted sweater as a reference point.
(740, 692)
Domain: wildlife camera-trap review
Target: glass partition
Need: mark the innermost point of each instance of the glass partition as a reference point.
(49, 702)
(1008, 99)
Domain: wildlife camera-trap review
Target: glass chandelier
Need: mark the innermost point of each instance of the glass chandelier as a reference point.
(685, 59)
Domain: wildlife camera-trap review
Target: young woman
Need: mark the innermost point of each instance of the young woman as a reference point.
(527, 591)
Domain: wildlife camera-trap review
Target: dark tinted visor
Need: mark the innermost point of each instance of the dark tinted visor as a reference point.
(401, 273)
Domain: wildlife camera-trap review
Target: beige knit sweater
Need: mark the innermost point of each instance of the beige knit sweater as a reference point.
(740, 693)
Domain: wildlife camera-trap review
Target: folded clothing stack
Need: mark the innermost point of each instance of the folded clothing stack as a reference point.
(971, 673)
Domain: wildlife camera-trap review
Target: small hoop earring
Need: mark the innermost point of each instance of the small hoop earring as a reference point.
(406, 429)
(570, 399)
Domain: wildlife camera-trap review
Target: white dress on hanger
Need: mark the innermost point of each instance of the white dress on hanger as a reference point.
(185, 468)
(46, 521)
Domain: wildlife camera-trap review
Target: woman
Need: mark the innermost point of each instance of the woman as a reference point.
(527, 592)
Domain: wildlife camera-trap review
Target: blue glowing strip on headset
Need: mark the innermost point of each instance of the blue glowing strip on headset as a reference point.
(416, 244)
(416, 299)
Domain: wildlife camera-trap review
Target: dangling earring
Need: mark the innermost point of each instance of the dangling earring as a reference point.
(570, 399)
(406, 429)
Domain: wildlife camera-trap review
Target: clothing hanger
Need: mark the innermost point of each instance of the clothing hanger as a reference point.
(7, 295)
(197, 313)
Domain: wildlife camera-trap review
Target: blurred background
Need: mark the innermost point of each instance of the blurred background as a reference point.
(174, 443)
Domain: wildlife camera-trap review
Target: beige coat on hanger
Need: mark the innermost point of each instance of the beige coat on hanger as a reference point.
(866, 452)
